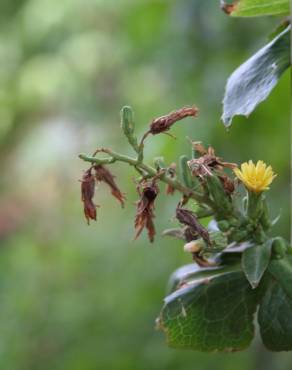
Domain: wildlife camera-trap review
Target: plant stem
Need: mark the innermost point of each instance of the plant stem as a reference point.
(140, 166)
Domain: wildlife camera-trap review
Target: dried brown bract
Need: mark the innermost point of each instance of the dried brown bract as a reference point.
(87, 194)
(171, 171)
(201, 261)
(228, 8)
(207, 163)
(188, 218)
(104, 175)
(164, 123)
(148, 191)
(199, 148)
(228, 183)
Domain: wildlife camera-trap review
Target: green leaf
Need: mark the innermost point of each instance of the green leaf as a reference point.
(275, 313)
(192, 273)
(281, 270)
(253, 81)
(214, 314)
(255, 261)
(254, 8)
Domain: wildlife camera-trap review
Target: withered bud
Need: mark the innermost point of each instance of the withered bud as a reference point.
(171, 171)
(228, 8)
(228, 183)
(87, 194)
(188, 218)
(199, 148)
(102, 174)
(190, 234)
(201, 261)
(148, 191)
(164, 123)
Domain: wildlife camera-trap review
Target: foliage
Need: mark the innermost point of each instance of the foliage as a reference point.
(213, 312)
(256, 8)
(78, 297)
(253, 81)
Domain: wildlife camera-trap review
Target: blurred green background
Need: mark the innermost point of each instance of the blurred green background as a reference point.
(75, 297)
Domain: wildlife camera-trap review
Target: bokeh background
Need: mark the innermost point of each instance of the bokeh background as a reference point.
(75, 297)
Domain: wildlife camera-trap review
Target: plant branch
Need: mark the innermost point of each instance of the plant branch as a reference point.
(148, 170)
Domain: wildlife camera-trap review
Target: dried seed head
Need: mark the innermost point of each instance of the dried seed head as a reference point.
(164, 123)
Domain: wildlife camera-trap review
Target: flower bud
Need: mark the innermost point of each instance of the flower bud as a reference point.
(254, 205)
(194, 246)
(279, 247)
(265, 216)
(159, 163)
(128, 126)
(185, 171)
(223, 225)
(221, 199)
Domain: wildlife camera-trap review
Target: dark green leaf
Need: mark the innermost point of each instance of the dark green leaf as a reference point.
(281, 270)
(253, 8)
(214, 314)
(275, 319)
(253, 81)
(255, 260)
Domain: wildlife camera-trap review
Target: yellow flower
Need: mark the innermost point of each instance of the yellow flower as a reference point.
(257, 177)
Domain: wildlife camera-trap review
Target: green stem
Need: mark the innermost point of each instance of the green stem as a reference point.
(140, 166)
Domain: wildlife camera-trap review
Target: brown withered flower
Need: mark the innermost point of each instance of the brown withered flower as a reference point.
(148, 191)
(188, 218)
(208, 162)
(87, 194)
(102, 174)
(164, 123)
(192, 231)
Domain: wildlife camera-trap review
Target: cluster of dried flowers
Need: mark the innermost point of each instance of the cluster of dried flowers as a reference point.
(203, 178)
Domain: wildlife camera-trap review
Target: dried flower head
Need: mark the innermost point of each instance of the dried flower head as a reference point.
(164, 123)
(104, 175)
(207, 162)
(148, 191)
(87, 194)
(256, 177)
(188, 218)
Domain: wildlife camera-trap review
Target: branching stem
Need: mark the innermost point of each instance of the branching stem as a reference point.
(141, 167)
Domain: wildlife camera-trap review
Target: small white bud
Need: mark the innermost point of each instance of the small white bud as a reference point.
(193, 246)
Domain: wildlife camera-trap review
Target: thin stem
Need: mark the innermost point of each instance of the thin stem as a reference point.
(140, 166)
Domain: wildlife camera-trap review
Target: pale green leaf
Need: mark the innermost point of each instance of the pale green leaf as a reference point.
(253, 81)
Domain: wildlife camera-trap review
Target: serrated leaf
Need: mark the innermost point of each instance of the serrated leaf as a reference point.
(253, 81)
(214, 314)
(255, 8)
(255, 261)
